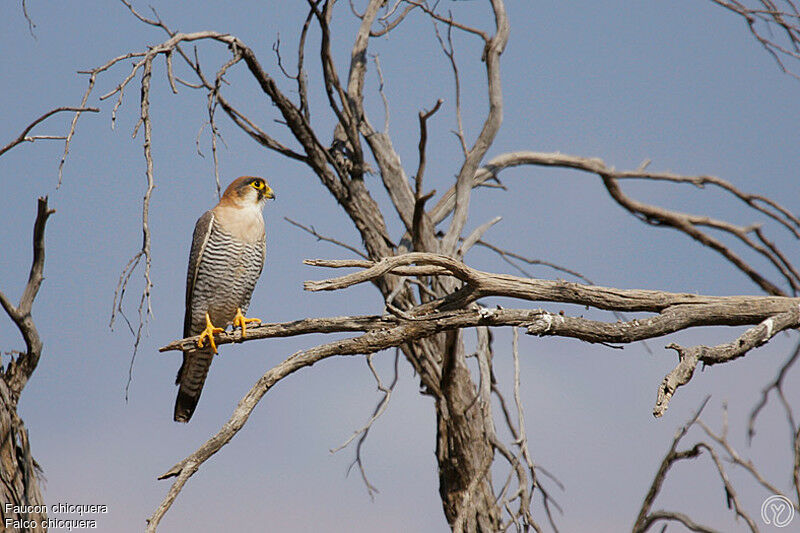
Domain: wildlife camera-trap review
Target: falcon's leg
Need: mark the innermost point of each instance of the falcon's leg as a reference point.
(209, 332)
(241, 320)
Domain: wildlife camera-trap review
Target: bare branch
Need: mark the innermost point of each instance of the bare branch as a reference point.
(673, 516)
(320, 237)
(24, 137)
(482, 284)
(256, 133)
(509, 257)
(302, 77)
(423, 139)
(689, 357)
(421, 228)
(491, 56)
(522, 438)
(276, 47)
(675, 312)
(333, 86)
(796, 467)
(758, 202)
(450, 52)
(474, 237)
(379, 72)
(730, 493)
(642, 523)
(686, 223)
(396, 331)
(765, 21)
(447, 20)
(144, 310)
(362, 432)
(391, 169)
(735, 458)
(777, 384)
(533, 319)
(213, 97)
(19, 370)
(371, 342)
(31, 24)
(525, 484)
(389, 26)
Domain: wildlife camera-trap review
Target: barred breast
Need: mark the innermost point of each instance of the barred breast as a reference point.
(226, 277)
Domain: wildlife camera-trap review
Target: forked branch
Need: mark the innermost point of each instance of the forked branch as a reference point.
(24, 137)
(387, 331)
(18, 371)
(775, 24)
(695, 226)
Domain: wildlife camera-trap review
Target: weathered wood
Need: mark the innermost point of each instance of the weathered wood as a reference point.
(19, 477)
(21, 500)
(432, 297)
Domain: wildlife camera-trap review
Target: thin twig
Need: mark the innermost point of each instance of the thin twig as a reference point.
(776, 384)
(771, 18)
(643, 521)
(362, 432)
(321, 237)
(28, 18)
(24, 137)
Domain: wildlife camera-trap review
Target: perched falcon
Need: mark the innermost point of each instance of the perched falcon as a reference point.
(227, 255)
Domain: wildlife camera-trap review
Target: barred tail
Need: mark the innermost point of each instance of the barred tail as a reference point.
(191, 377)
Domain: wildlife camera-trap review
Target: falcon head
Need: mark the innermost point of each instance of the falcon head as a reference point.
(248, 191)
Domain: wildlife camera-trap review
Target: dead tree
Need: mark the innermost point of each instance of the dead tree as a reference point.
(19, 472)
(20, 483)
(431, 296)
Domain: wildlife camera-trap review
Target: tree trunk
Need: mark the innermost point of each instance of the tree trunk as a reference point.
(21, 505)
(463, 450)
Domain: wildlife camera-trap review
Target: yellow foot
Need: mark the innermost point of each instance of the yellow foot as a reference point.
(209, 333)
(241, 321)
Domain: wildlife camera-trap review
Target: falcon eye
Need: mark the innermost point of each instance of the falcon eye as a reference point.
(258, 184)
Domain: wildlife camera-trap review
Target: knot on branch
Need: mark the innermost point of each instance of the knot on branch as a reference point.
(544, 325)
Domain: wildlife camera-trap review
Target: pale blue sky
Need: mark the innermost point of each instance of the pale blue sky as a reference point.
(681, 83)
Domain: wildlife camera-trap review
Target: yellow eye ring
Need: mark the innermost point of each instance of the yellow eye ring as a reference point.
(258, 184)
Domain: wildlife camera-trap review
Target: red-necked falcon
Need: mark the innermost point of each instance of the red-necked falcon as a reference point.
(227, 255)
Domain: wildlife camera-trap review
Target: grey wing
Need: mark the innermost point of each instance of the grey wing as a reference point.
(263, 244)
(202, 230)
